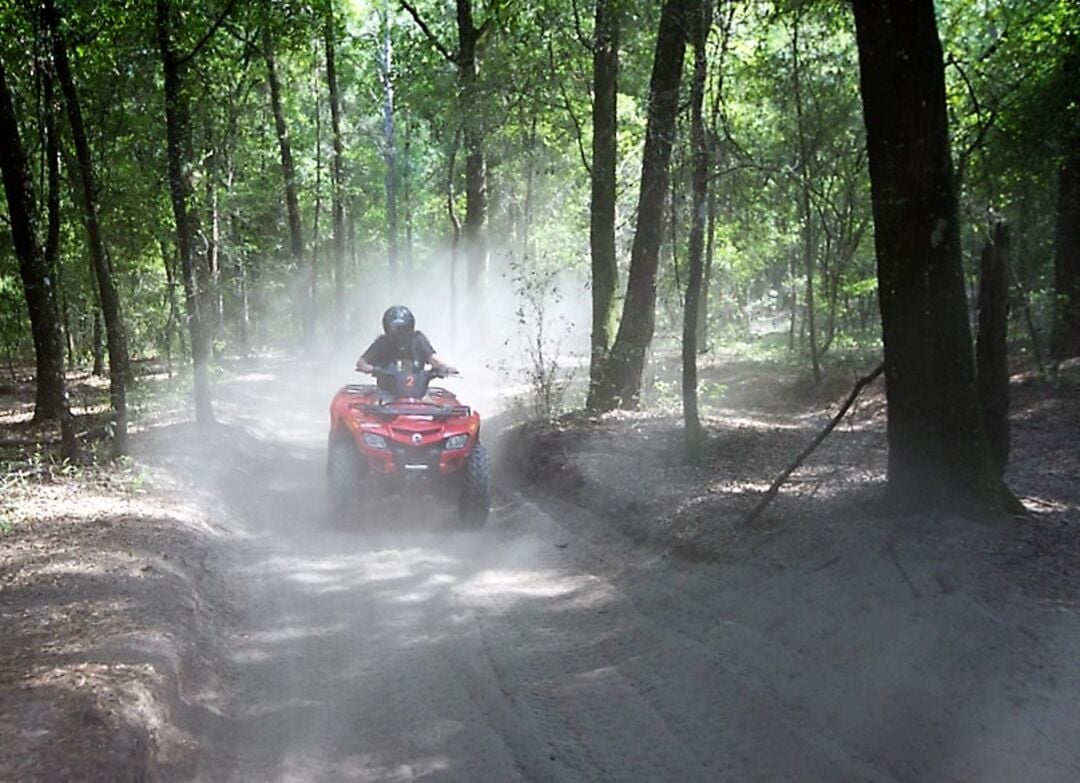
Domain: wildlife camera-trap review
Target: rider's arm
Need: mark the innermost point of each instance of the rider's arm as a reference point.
(371, 357)
(440, 365)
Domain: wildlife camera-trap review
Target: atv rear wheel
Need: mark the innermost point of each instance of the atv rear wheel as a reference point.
(342, 475)
(474, 502)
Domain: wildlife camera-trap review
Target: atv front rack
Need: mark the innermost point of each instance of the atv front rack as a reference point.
(392, 411)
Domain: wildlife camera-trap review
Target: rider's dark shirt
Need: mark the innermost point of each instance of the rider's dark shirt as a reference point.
(385, 351)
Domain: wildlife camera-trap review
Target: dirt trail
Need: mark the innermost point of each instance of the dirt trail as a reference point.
(547, 647)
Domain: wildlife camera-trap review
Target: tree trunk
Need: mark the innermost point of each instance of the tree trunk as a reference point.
(1065, 334)
(97, 347)
(620, 383)
(292, 204)
(69, 446)
(699, 218)
(605, 271)
(50, 401)
(389, 143)
(212, 259)
(991, 354)
(938, 452)
(337, 175)
(805, 212)
(706, 281)
(455, 243)
(468, 62)
(178, 136)
(116, 333)
(317, 216)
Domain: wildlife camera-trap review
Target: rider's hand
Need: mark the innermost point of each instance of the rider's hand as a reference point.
(446, 369)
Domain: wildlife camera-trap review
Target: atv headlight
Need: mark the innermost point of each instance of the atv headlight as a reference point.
(455, 442)
(374, 441)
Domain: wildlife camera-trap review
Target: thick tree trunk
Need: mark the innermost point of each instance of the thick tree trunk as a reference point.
(468, 63)
(991, 354)
(938, 452)
(605, 271)
(292, 203)
(1065, 335)
(178, 134)
(620, 383)
(337, 175)
(699, 219)
(38, 278)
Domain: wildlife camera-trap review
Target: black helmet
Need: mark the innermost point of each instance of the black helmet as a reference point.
(398, 321)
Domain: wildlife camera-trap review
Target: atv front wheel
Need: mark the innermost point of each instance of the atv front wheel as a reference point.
(474, 502)
(342, 474)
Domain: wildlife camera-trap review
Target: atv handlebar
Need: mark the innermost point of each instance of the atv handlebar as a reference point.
(432, 373)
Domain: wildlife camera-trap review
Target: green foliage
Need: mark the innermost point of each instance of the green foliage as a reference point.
(1012, 98)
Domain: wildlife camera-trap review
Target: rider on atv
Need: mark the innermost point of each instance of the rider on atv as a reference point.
(400, 343)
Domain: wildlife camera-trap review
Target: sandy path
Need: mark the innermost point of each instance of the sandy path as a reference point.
(542, 648)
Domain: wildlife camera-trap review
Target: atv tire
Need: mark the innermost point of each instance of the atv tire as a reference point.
(474, 502)
(343, 477)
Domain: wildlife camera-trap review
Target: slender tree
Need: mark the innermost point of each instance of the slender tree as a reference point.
(620, 381)
(938, 451)
(605, 271)
(292, 201)
(389, 140)
(180, 170)
(337, 191)
(111, 306)
(466, 58)
(698, 220)
(806, 216)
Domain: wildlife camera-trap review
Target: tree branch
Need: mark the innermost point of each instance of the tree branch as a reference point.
(570, 110)
(775, 488)
(450, 56)
(181, 61)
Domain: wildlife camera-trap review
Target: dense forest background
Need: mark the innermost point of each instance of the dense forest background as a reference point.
(191, 180)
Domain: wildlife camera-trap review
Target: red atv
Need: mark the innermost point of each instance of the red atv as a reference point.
(407, 437)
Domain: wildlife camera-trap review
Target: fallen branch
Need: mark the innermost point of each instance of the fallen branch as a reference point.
(775, 488)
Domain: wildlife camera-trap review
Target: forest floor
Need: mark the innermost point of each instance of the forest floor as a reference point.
(191, 614)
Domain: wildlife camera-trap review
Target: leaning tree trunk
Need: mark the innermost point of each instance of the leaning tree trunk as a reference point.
(620, 381)
(292, 203)
(178, 137)
(38, 278)
(991, 346)
(605, 273)
(696, 263)
(337, 174)
(938, 452)
(115, 331)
